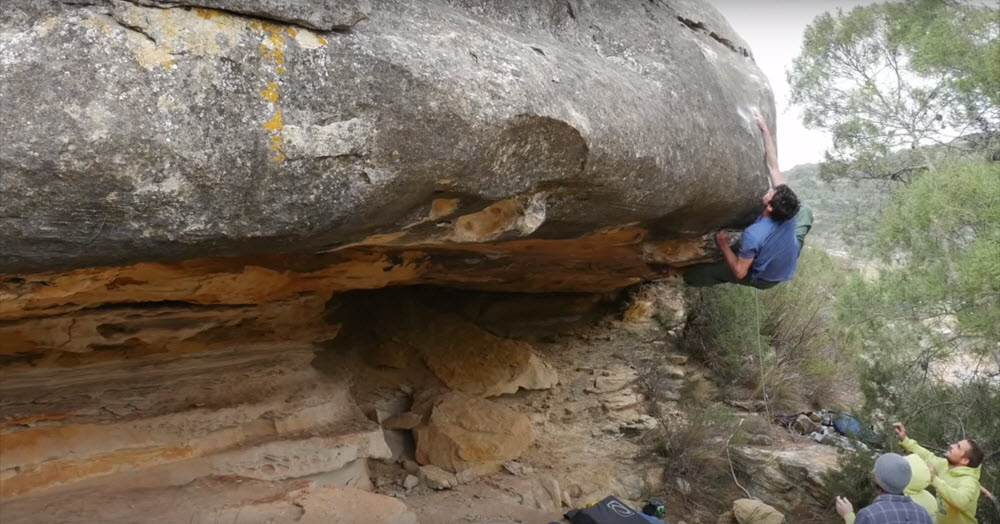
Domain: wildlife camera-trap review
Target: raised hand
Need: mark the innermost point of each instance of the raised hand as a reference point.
(761, 123)
(900, 430)
(844, 506)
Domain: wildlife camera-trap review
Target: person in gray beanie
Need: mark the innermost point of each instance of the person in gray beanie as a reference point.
(892, 474)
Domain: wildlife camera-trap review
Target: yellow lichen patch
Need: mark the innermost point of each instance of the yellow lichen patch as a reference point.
(260, 25)
(322, 40)
(291, 31)
(207, 14)
(275, 123)
(271, 93)
(98, 23)
(273, 47)
(150, 55)
(199, 32)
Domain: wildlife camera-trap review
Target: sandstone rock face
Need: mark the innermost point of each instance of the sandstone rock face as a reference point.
(187, 185)
(465, 432)
(260, 413)
(403, 331)
(469, 359)
(213, 499)
(787, 478)
(155, 130)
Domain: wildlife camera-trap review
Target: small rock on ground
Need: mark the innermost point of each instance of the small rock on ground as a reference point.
(437, 478)
(410, 482)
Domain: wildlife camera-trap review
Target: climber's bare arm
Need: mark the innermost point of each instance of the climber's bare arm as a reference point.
(769, 152)
(739, 266)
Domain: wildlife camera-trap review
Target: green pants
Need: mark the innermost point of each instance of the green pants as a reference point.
(715, 273)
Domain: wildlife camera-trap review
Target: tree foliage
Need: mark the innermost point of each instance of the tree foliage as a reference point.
(888, 78)
(927, 323)
(939, 242)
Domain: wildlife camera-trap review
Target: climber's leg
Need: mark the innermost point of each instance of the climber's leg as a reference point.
(803, 223)
(715, 273)
(710, 274)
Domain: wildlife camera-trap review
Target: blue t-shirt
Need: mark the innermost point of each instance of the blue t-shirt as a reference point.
(773, 247)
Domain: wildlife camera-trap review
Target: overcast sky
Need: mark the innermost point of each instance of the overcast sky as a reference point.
(773, 29)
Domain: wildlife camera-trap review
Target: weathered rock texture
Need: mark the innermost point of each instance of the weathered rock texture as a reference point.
(254, 412)
(214, 499)
(467, 358)
(464, 432)
(789, 478)
(174, 172)
(188, 186)
(138, 132)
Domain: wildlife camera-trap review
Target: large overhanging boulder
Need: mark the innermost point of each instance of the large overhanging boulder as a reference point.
(150, 131)
(185, 184)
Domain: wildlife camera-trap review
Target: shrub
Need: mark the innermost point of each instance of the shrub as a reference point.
(694, 448)
(778, 342)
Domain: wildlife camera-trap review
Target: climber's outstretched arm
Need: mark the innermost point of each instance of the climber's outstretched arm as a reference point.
(769, 152)
(738, 265)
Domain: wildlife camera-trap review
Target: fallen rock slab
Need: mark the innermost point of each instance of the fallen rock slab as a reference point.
(469, 359)
(465, 432)
(789, 476)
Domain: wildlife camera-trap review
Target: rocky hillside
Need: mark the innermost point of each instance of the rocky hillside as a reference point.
(232, 233)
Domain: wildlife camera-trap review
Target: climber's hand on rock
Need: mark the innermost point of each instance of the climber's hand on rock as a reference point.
(722, 239)
(900, 430)
(844, 507)
(760, 121)
(933, 469)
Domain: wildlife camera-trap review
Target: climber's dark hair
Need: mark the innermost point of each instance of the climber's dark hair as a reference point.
(784, 203)
(975, 454)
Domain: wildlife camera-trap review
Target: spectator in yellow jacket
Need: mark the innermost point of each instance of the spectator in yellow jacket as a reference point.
(955, 477)
(920, 478)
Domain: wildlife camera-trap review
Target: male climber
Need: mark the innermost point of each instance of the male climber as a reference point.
(770, 247)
